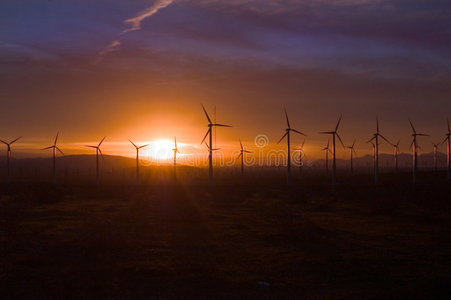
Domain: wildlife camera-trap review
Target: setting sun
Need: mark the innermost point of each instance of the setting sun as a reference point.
(159, 150)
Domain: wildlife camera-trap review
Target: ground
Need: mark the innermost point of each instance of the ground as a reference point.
(227, 240)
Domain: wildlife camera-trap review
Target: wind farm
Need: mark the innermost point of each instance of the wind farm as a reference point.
(214, 149)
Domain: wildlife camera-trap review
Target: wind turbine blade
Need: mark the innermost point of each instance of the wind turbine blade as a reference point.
(46, 148)
(175, 142)
(282, 137)
(298, 132)
(246, 151)
(411, 125)
(241, 145)
(445, 140)
(95, 147)
(221, 125)
(207, 145)
(15, 140)
(377, 124)
(422, 134)
(339, 138)
(449, 127)
(101, 141)
(385, 139)
(133, 143)
(411, 144)
(206, 114)
(178, 151)
(353, 143)
(4, 142)
(208, 131)
(143, 146)
(369, 141)
(328, 144)
(59, 150)
(326, 132)
(338, 124)
(302, 145)
(101, 154)
(215, 149)
(56, 138)
(239, 155)
(286, 116)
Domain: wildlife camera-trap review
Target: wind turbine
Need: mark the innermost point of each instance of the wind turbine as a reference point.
(374, 153)
(8, 156)
(334, 134)
(414, 146)
(352, 152)
(176, 150)
(54, 148)
(396, 146)
(210, 152)
(287, 134)
(97, 158)
(448, 154)
(301, 154)
(242, 151)
(209, 134)
(435, 155)
(326, 151)
(376, 150)
(137, 157)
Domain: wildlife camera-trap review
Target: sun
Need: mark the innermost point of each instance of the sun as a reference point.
(160, 149)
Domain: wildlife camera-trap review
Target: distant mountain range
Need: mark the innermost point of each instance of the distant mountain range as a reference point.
(425, 160)
(87, 162)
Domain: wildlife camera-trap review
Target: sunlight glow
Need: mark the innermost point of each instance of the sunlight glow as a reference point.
(160, 149)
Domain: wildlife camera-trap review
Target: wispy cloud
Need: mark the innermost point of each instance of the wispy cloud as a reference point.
(110, 47)
(135, 24)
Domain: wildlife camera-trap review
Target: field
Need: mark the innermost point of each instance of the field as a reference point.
(233, 239)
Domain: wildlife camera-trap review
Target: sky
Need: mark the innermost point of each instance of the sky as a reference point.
(140, 69)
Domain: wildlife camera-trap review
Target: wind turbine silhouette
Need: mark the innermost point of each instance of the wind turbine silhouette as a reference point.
(334, 134)
(447, 140)
(414, 146)
(210, 152)
(97, 158)
(376, 150)
(8, 156)
(374, 153)
(209, 134)
(326, 151)
(137, 157)
(301, 155)
(352, 152)
(287, 134)
(54, 148)
(176, 150)
(396, 146)
(435, 154)
(242, 151)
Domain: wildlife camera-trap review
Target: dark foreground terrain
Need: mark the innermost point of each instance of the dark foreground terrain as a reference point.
(230, 240)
